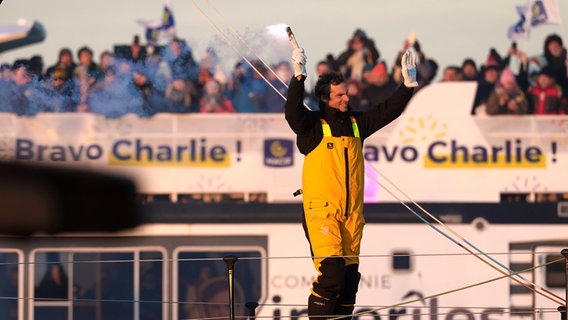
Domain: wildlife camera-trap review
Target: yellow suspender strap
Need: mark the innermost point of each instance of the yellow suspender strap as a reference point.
(355, 128)
(327, 130)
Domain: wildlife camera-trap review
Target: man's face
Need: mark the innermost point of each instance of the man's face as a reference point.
(66, 59)
(491, 75)
(85, 58)
(20, 76)
(322, 68)
(544, 81)
(6, 74)
(555, 48)
(338, 98)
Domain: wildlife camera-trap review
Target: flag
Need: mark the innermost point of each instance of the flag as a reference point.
(545, 12)
(521, 28)
(534, 14)
(159, 32)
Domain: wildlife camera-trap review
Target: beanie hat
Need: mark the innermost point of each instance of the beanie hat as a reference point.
(507, 76)
(380, 69)
(494, 58)
(360, 33)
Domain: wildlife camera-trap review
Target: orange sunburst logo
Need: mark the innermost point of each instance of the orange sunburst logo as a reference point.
(422, 129)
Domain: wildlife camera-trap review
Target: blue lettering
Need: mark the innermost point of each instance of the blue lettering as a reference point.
(58, 154)
(98, 152)
(164, 153)
(40, 150)
(371, 153)
(508, 152)
(431, 153)
(194, 151)
(495, 150)
(390, 157)
(479, 154)
(409, 154)
(456, 151)
(218, 154)
(75, 156)
(533, 154)
(117, 154)
(141, 149)
(24, 149)
(180, 150)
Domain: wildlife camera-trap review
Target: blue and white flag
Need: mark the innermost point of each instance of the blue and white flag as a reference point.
(534, 14)
(520, 30)
(545, 12)
(160, 32)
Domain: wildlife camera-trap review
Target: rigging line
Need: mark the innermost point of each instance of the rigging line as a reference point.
(215, 318)
(454, 290)
(174, 260)
(449, 315)
(418, 315)
(361, 313)
(251, 49)
(366, 306)
(387, 315)
(236, 33)
(443, 308)
(527, 284)
(235, 49)
(77, 262)
(382, 255)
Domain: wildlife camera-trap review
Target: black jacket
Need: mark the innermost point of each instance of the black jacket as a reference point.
(307, 126)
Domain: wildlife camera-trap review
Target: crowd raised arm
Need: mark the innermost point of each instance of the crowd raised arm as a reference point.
(145, 80)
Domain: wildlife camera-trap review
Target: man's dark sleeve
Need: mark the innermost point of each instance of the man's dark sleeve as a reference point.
(296, 114)
(385, 112)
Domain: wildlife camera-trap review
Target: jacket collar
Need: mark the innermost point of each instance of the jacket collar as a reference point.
(334, 114)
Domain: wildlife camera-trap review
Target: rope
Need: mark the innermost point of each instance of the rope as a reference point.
(372, 309)
(525, 283)
(232, 46)
(237, 34)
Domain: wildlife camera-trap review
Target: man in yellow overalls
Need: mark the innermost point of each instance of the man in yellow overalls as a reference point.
(333, 178)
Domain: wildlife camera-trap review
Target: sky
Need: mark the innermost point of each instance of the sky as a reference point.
(448, 30)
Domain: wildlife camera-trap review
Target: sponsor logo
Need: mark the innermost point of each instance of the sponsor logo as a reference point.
(278, 153)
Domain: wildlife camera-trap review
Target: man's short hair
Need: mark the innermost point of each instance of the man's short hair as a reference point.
(85, 49)
(323, 85)
(21, 63)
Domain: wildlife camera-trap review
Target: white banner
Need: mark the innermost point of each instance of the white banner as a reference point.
(436, 151)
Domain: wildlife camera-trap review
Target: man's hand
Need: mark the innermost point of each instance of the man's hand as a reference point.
(299, 62)
(408, 63)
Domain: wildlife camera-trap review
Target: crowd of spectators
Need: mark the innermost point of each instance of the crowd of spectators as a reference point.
(149, 80)
(516, 83)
